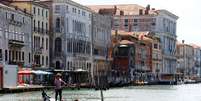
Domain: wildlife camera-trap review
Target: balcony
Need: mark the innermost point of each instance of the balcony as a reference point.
(40, 30)
(14, 22)
(38, 51)
(16, 43)
(13, 62)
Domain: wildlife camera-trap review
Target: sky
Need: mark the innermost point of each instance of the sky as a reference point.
(189, 12)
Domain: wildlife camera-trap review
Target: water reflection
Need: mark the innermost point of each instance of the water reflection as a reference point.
(137, 93)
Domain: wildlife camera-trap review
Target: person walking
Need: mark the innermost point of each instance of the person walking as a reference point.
(58, 82)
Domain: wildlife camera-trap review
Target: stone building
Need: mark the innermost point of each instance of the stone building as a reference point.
(185, 59)
(196, 60)
(71, 39)
(132, 17)
(40, 30)
(101, 42)
(15, 36)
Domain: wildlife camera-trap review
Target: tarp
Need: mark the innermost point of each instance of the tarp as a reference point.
(24, 72)
(80, 70)
(40, 72)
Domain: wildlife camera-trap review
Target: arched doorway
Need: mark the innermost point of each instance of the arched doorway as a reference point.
(58, 65)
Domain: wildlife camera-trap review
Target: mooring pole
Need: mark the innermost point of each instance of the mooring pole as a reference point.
(102, 97)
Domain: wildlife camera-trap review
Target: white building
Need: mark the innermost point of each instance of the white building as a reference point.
(15, 36)
(40, 30)
(72, 47)
(101, 41)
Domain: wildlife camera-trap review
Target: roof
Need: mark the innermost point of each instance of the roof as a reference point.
(13, 8)
(38, 3)
(126, 42)
(129, 9)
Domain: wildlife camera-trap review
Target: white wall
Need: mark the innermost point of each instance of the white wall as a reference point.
(10, 76)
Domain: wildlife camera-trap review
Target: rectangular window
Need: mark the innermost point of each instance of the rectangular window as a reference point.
(29, 57)
(42, 43)
(42, 12)
(19, 55)
(34, 24)
(42, 27)
(47, 60)
(38, 11)
(13, 55)
(38, 26)
(47, 14)
(16, 55)
(83, 13)
(42, 60)
(12, 17)
(6, 55)
(156, 46)
(9, 55)
(1, 55)
(47, 44)
(23, 56)
(46, 27)
(34, 8)
(57, 9)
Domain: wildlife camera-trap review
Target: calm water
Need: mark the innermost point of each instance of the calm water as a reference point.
(191, 92)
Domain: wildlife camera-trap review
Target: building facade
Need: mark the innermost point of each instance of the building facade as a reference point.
(185, 59)
(196, 60)
(101, 42)
(15, 36)
(137, 18)
(40, 30)
(72, 41)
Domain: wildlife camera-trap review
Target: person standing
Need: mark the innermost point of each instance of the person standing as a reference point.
(58, 82)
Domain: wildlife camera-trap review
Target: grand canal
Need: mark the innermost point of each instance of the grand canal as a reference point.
(190, 92)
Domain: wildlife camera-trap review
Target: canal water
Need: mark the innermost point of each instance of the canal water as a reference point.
(190, 92)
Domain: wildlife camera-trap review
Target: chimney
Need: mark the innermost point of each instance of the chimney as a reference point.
(116, 32)
(115, 10)
(140, 11)
(148, 7)
(16, 8)
(146, 12)
(121, 12)
(183, 41)
(25, 10)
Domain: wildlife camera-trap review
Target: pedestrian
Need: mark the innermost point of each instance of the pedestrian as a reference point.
(58, 82)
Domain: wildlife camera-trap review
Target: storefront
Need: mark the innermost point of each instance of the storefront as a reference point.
(25, 77)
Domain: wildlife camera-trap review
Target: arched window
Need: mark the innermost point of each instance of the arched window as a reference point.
(58, 65)
(58, 45)
(58, 22)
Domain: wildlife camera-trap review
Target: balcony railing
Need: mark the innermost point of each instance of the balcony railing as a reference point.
(16, 43)
(38, 51)
(41, 30)
(14, 22)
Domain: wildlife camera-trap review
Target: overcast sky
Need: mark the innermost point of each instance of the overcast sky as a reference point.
(189, 12)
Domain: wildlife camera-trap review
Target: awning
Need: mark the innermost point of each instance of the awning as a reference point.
(80, 70)
(40, 72)
(24, 72)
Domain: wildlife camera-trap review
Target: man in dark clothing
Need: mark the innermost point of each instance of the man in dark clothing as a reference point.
(58, 82)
